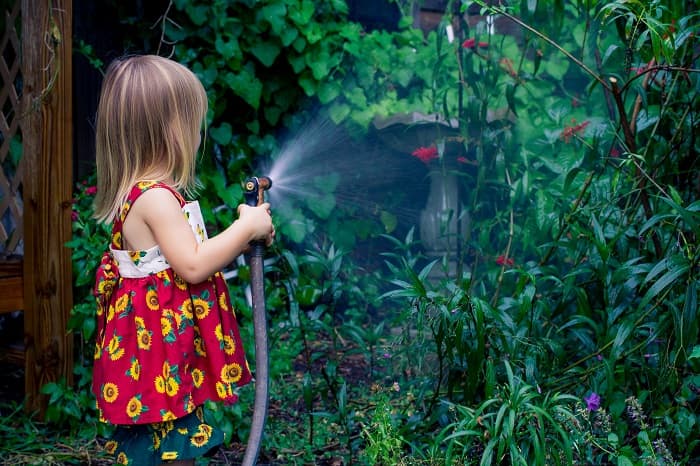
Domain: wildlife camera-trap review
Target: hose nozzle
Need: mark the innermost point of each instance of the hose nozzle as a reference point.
(254, 189)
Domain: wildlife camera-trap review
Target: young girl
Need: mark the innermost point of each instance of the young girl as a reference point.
(167, 337)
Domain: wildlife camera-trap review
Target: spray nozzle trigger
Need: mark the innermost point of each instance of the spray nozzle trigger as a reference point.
(254, 188)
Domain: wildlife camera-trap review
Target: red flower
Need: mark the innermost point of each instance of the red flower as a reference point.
(425, 154)
(503, 260)
(74, 216)
(91, 190)
(507, 64)
(614, 152)
(569, 131)
(641, 69)
(469, 43)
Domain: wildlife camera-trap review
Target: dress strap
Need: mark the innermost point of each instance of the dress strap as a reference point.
(138, 189)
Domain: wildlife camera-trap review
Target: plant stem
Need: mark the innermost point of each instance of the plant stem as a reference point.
(545, 38)
(506, 255)
(577, 202)
(609, 343)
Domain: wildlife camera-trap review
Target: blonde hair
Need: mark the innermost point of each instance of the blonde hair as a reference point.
(149, 117)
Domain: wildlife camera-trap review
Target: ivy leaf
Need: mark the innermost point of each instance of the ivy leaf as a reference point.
(198, 14)
(222, 134)
(313, 33)
(302, 14)
(254, 127)
(404, 76)
(388, 220)
(338, 112)
(327, 183)
(322, 205)
(296, 226)
(224, 192)
(298, 62)
(246, 85)
(299, 44)
(295, 231)
(308, 84)
(319, 64)
(175, 34)
(206, 75)
(266, 52)
(274, 14)
(288, 35)
(328, 91)
(272, 113)
(227, 48)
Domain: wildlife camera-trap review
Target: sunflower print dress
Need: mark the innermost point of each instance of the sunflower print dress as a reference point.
(164, 347)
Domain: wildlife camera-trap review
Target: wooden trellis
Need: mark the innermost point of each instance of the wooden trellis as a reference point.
(36, 187)
(11, 293)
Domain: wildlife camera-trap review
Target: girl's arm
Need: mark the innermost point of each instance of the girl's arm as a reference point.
(156, 218)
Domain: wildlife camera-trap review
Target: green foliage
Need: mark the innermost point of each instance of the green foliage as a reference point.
(385, 443)
(90, 240)
(28, 441)
(580, 273)
(517, 425)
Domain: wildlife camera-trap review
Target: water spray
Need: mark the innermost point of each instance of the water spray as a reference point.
(254, 193)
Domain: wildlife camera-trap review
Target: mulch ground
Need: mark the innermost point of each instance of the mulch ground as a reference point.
(352, 367)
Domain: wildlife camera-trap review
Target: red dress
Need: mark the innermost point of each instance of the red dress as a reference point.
(163, 346)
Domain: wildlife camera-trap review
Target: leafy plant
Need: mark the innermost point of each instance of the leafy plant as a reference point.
(516, 426)
(385, 443)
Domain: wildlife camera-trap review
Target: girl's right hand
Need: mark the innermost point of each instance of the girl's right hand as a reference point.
(258, 221)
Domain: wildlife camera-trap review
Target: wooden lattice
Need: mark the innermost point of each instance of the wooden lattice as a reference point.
(10, 138)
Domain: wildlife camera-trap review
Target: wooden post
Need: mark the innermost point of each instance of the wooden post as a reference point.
(47, 192)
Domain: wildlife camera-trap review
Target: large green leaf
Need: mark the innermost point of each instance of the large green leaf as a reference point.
(274, 13)
(221, 134)
(322, 204)
(671, 270)
(228, 48)
(246, 85)
(265, 51)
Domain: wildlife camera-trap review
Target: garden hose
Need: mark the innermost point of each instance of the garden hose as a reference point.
(254, 195)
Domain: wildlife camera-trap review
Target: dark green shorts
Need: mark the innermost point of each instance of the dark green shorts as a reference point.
(152, 444)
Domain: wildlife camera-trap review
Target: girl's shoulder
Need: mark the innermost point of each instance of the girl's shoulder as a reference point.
(143, 186)
(159, 195)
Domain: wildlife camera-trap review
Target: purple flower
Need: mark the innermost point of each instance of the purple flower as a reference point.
(592, 401)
